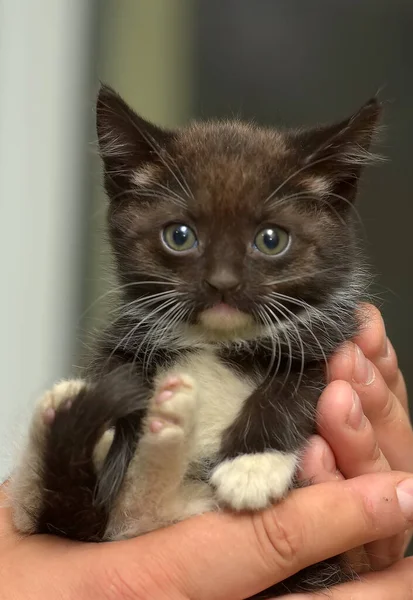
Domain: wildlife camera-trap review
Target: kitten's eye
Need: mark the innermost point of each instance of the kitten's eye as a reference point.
(179, 237)
(272, 240)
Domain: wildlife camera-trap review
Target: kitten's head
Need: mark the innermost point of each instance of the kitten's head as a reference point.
(227, 225)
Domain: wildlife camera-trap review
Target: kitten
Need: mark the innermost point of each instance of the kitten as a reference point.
(240, 275)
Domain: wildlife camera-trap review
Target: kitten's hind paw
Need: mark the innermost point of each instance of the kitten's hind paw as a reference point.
(27, 483)
(56, 484)
(171, 411)
(253, 481)
(61, 395)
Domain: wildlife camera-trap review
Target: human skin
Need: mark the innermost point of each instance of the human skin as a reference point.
(378, 436)
(361, 466)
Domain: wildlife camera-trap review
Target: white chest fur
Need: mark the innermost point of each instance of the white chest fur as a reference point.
(221, 393)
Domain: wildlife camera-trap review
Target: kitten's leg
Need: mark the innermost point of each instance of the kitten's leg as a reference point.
(57, 487)
(26, 484)
(261, 449)
(163, 456)
(154, 492)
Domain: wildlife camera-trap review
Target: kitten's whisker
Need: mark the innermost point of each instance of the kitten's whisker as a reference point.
(323, 317)
(274, 338)
(298, 277)
(130, 333)
(352, 206)
(116, 290)
(144, 300)
(153, 334)
(288, 341)
(147, 193)
(158, 277)
(281, 308)
(308, 165)
(169, 192)
(164, 327)
(170, 195)
(134, 314)
(310, 331)
(307, 196)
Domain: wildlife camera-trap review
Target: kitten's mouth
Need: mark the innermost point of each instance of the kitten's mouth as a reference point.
(223, 316)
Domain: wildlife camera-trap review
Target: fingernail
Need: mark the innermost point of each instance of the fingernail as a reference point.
(356, 418)
(404, 493)
(363, 369)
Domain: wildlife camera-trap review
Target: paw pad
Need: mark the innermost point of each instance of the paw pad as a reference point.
(172, 405)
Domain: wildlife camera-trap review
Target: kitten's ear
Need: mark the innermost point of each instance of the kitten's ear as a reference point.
(338, 153)
(128, 143)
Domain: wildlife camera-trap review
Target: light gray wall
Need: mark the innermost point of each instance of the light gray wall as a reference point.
(45, 54)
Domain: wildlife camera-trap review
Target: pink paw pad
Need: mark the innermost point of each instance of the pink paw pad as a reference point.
(156, 426)
(67, 404)
(164, 396)
(49, 416)
(172, 381)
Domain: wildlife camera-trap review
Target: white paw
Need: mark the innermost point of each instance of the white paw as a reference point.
(171, 410)
(62, 392)
(253, 481)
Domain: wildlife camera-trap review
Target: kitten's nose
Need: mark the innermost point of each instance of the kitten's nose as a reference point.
(223, 281)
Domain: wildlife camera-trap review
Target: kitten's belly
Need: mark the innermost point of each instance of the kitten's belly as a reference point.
(222, 392)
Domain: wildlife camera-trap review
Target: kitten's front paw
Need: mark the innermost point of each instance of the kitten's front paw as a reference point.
(171, 411)
(253, 481)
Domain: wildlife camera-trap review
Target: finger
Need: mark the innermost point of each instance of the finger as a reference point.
(348, 432)
(376, 346)
(353, 440)
(318, 464)
(248, 553)
(390, 422)
(398, 385)
(395, 583)
(385, 413)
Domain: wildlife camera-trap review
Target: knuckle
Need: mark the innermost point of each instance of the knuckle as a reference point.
(280, 540)
(368, 515)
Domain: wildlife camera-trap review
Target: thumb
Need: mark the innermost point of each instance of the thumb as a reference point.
(231, 557)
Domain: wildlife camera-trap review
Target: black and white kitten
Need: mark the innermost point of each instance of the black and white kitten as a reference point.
(239, 276)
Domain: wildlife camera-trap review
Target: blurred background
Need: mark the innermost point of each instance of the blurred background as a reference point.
(289, 62)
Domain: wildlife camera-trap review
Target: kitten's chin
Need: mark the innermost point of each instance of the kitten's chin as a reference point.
(225, 318)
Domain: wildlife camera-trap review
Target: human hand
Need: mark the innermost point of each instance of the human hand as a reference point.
(366, 433)
(219, 556)
(224, 556)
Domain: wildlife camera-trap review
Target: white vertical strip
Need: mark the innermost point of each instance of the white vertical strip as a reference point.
(45, 50)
